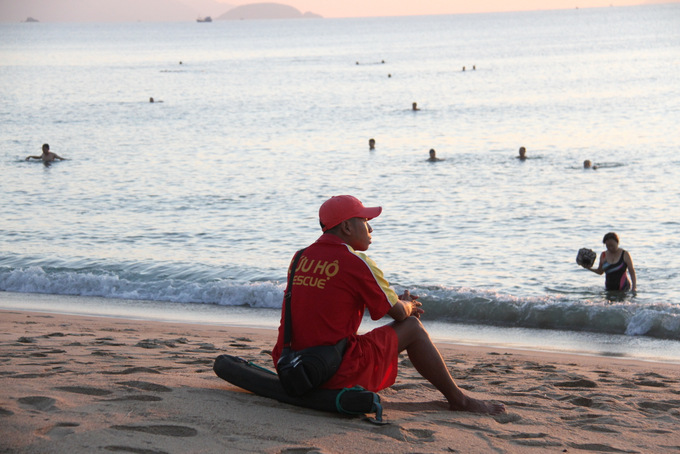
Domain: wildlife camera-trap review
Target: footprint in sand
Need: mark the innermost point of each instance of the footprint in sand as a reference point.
(108, 342)
(597, 447)
(132, 370)
(651, 383)
(599, 428)
(578, 383)
(653, 379)
(40, 403)
(53, 335)
(401, 434)
(507, 418)
(145, 386)
(84, 390)
(592, 420)
(160, 343)
(303, 450)
(59, 430)
(41, 375)
(659, 405)
(140, 398)
(207, 347)
(534, 440)
(581, 401)
(105, 353)
(401, 386)
(167, 430)
(241, 346)
(540, 367)
(118, 448)
(154, 343)
(204, 362)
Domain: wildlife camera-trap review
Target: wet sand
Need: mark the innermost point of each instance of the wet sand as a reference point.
(93, 384)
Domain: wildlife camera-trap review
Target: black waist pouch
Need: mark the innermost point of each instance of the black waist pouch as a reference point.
(301, 371)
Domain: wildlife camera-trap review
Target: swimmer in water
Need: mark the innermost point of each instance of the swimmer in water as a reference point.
(522, 154)
(371, 144)
(433, 156)
(47, 155)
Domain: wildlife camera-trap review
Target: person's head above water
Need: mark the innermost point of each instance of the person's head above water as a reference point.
(433, 156)
(611, 241)
(610, 236)
(371, 144)
(522, 153)
(343, 207)
(45, 148)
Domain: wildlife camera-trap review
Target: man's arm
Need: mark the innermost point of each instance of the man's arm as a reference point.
(34, 157)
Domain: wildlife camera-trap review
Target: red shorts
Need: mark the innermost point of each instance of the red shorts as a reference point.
(370, 361)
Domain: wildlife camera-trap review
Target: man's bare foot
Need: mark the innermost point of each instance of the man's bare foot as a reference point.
(478, 406)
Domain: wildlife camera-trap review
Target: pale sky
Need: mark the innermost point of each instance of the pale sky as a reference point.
(188, 10)
(367, 8)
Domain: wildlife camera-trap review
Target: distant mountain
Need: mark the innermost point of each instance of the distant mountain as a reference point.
(110, 10)
(265, 11)
(207, 7)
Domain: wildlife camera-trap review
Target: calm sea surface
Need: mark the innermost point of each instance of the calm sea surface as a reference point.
(195, 205)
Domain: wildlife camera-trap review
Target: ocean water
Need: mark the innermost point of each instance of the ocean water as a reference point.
(191, 208)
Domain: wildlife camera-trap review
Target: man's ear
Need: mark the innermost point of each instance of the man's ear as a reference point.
(346, 227)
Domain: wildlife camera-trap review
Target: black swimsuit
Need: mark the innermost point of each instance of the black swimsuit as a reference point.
(616, 278)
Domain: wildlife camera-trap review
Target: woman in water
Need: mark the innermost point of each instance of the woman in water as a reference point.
(614, 262)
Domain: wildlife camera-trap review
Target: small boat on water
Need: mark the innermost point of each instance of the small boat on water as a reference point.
(205, 19)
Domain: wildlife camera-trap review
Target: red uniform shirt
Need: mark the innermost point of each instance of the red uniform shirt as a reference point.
(332, 286)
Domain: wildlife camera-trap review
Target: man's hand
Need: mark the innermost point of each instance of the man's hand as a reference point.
(410, 301)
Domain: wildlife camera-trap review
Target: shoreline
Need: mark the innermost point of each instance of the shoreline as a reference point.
(491, 336)
(85, 384)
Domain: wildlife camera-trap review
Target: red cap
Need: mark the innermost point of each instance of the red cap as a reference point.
(342, 207)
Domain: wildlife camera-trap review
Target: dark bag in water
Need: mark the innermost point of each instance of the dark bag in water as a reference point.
(586, 257)
(304, 370)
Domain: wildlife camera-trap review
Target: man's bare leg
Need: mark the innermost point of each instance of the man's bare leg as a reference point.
(429, 363)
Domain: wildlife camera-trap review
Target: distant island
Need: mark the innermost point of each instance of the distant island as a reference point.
(266, 11)
(142, 10)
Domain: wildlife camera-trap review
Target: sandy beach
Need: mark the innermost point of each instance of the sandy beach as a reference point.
(91, 384)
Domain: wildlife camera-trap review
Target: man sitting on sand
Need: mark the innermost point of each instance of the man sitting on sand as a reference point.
(47, 155)
(335, 283)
